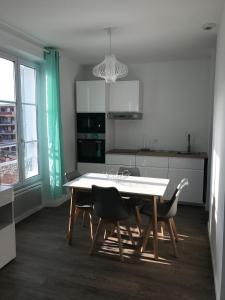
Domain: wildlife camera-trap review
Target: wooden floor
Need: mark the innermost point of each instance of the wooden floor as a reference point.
(47, 268)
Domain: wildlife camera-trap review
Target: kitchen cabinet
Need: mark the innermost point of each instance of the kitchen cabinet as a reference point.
(120, 159)
(114, 169)
(153, 172)
(186, 163)
(115, 161)
(7, 226)
(152, 161)
(90, 168)
(193, 193)
(174, 168)
(193, 170)
(91, 96)
(124, 96)
(152, 166)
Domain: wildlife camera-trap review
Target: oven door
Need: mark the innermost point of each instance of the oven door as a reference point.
(91, 122)
(92, 151)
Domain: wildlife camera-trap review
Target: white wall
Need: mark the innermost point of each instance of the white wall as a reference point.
(69, 70)
(176, 101)
(217, 191)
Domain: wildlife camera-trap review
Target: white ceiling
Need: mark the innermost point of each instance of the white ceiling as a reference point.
(144, 30)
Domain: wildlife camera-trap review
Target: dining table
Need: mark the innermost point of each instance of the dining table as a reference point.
(150, 189)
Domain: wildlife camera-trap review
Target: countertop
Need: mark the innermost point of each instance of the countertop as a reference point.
(162, 153)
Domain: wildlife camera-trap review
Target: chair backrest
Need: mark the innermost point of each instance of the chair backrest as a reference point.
(108, 204)
(172, 203)
(72, 175)
(132, 171)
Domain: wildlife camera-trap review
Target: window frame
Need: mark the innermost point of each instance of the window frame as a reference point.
(19, 118)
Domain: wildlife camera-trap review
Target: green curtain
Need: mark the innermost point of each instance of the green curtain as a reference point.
(53, 124)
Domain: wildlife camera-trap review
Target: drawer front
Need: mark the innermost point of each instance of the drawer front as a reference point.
(84, 168)
(152, 161)
(154, 172)
(118, 159)
(193, 193)
(113, 169)
(186, 163)
(8, 244)
(6, 196)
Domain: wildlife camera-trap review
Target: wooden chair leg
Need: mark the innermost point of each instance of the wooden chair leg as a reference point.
(71, 216)
(162, 224)
(84, 216)
(130, 235)
(98, 230)
(76, 214)
(162, 229)
(106, 232)
(174, 229)
(172, 237)
(112, 229)
(73, 221)
(138, 220)
(119, 241)
(91, 225)
(146, 236)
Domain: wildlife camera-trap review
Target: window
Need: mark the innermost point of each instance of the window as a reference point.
(18, 121)
(29, 120)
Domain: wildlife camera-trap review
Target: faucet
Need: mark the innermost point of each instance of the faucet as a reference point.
(189, 143)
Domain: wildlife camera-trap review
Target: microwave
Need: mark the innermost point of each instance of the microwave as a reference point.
(90, 122)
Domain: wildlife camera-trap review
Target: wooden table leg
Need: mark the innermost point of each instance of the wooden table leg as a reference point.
(162, 224)
(71, 217)
(155, 227)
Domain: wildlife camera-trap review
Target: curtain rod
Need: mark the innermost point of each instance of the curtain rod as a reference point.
(45, 50)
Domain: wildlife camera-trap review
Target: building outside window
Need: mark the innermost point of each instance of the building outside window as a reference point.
(19, 159)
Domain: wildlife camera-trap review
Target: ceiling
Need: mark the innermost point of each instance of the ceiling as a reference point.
(143, 30)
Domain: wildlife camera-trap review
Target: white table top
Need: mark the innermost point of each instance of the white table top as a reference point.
(128, 184)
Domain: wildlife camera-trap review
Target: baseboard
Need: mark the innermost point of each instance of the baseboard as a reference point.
(28, 213)
(57, 202)
(213, 262)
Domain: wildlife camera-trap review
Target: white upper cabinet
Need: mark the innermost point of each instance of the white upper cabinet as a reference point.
(124, 96)
(91, 96)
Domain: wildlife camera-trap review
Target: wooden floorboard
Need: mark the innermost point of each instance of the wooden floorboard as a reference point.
(46, 267)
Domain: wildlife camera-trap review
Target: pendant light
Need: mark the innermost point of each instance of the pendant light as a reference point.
(110, 69)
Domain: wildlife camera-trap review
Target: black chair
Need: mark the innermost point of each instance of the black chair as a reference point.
(111, 209)
(133, 203)
(83, 202)
(166, 212)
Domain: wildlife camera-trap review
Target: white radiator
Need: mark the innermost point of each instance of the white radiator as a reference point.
(27, 201)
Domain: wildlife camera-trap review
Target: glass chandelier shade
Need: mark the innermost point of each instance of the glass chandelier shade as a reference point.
(110, 69)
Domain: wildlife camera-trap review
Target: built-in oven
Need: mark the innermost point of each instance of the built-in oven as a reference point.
(91, 147)
(91, 123)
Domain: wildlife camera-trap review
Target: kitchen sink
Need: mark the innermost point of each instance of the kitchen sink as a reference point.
(187, 153)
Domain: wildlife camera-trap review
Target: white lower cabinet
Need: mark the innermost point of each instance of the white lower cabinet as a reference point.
(7, 226)
(113, 169)
(90, 168)
(193, 193)
(154, 172)
(152, 161)
(174, 168)
(8, 245)
(120, 159)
